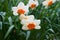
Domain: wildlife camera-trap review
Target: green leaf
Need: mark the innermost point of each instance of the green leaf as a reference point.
(2, 13)
(28, 34)
(22, 33)
(48, 19)
(51, 30)
(0, 25)
(10, 20)
(9, 30)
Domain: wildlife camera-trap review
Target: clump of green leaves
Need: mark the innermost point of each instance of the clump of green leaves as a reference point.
(10, 27)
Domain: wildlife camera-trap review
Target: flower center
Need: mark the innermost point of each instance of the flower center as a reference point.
(49, 3)
(33, 5)
(31, 26)
(20, 11)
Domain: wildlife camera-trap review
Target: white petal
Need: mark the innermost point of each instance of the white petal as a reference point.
(44, 3)
(31, 17)
(26, 9)
(28, 5)
(20, 5)
(15, 13)
(23, 21)
(30, 1)
(54, 1)
(37, 27)
(14, 9)
(24, 28)
(37, 22)
(36, 2)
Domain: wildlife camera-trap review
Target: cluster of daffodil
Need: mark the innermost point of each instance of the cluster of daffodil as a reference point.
(28, 21)
(47, 3)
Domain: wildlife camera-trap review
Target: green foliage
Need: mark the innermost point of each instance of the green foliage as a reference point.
(50, 22)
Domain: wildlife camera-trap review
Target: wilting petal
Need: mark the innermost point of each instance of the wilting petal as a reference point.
(22, 16)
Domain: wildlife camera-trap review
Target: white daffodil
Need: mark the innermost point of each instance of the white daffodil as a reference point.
(20, 9)
(25, 19)
(32, 3)
(30, 24)
(47, 3)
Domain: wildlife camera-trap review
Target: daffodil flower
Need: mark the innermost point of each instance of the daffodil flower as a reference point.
(47, 3)
(24, 19)
(32, 3)
(30, 23)
(20, 9)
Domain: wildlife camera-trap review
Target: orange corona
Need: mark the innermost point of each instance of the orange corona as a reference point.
(33, 5)
(20, 11)
(49, 3)
(31, 26)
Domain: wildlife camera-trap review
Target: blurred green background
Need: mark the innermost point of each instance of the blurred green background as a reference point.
(10, 27)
